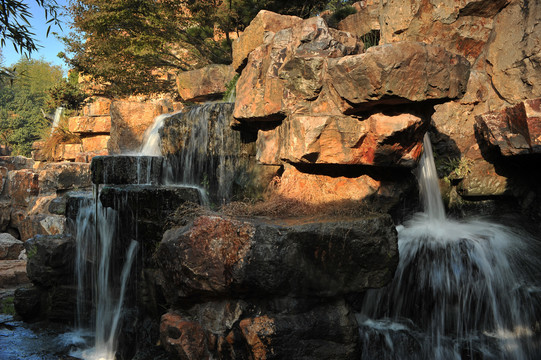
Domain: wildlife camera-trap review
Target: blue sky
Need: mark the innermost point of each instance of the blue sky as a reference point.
(49, 46)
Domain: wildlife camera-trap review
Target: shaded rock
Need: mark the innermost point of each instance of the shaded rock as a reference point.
(377, 76)
(50, 260)
(288, 68)
(513, 130)
(186, 339)
(10, 248)
(205, 84)
(129, 121)
(12, 273)
(125, 169)
(323, 332)
(261, 28)
(483, 182)
(27, 302)
(379, 140)
(90, 124)
(216, 256)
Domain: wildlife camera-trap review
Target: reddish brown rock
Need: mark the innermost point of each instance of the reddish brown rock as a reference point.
(379, 140)
(205, 84)
(377, 76)
(258, 332)
(97, 106)
(13, 273)
(261, 28)
(366, 18)
(90, 124)
(64, 176)
(513, 130)
(23, 185)
(3, 178)
(16, 162)
(95, 143)
(186, 339)
(129, 121)
(86, 157)
(289, 68)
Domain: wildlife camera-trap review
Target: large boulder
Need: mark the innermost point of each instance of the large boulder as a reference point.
(261, 28)
(10, 248)
(365, 20)
(84, 125)
(205, 84)
(378, 76)
(215, 256)
(513, 130)
(289, 65)
(381, 140)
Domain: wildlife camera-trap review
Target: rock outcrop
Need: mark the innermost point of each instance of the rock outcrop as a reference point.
(205, 84)
(263, 268)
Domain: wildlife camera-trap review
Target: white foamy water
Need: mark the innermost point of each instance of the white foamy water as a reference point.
(463, 288)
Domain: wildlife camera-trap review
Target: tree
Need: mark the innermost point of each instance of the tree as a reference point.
(14, 23)
(130, 46)
(21, 120)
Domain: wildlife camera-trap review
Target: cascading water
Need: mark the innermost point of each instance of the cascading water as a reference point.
(57, 117)
(462, 290)
(97, 279)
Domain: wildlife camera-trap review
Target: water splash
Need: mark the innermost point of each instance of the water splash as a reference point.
(462, 290)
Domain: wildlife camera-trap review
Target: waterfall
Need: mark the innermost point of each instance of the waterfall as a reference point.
(151, 145)
(57, 117)
(98, 281)
(462, 290)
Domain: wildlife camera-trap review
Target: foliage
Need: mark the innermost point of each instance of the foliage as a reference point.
(371, 39)
(65, 94)
(7, 306)
(134, 46)
(15, 19)
(339, 15)
(59, 135)
(21, 119)
(230, 92)
(452, 169)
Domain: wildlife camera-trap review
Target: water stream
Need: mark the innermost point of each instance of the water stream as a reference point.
(462, 289)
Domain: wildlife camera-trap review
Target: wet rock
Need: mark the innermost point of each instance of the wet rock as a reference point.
(124, 169)
(205, 84)
(27, 302)
(10, 248)
(85, 125)
(261, 28)
(129, 121)
(217, 255)
(323, 332)
(377, 76)
(50, 260)
(513, 130)
(185, 339)
(380, 140)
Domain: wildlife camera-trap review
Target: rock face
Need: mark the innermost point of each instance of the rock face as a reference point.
(206, 84)
(28, 191)
(514, 130)
(10, 248)
(129, 121)
(305, 267)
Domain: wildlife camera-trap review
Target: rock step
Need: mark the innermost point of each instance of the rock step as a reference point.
(12, 272)
(126, 169)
